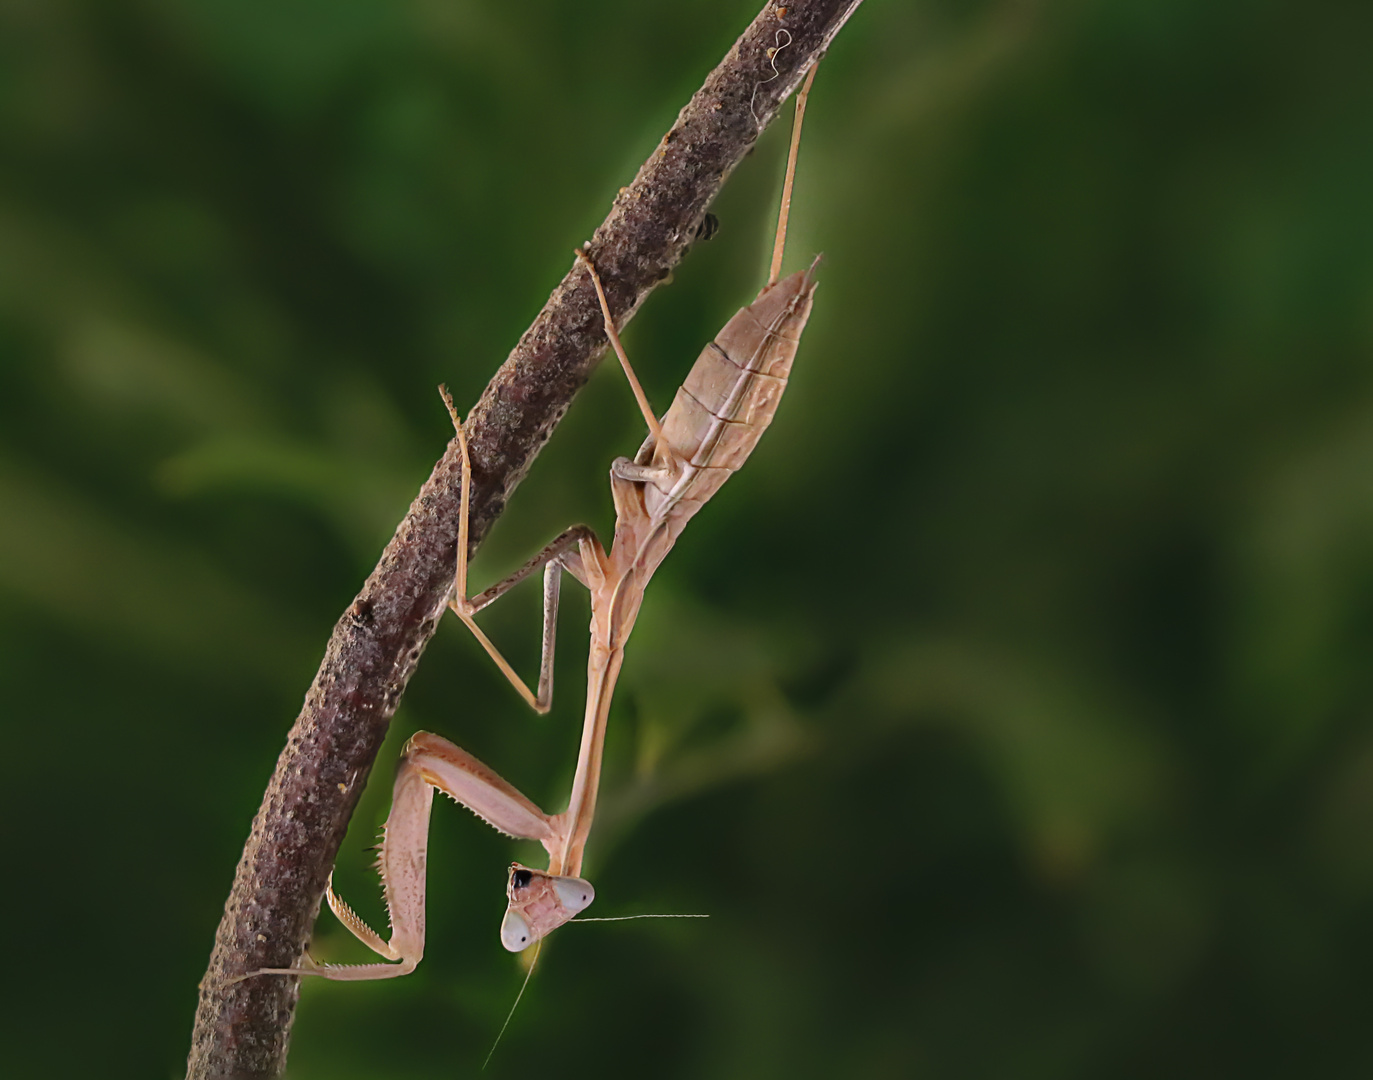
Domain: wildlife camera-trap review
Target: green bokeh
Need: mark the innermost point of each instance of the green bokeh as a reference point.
(1009, 714)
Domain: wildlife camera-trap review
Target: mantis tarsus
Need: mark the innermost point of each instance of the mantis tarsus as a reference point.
(715, 421)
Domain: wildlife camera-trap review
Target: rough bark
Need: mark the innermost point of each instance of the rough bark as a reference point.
(242, 1030)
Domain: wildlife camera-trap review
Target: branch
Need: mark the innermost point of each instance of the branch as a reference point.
(242, 1030)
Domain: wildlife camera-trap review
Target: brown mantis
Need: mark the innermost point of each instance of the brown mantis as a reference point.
(715, 421)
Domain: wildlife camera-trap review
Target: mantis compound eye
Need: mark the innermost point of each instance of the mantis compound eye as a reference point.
(575, 893)
(516, 935)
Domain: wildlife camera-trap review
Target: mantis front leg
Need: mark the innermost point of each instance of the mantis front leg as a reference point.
(538, 902)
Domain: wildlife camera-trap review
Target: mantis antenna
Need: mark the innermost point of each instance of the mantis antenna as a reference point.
(515, 1005)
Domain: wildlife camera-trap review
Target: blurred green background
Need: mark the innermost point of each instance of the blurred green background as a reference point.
(1009, 714)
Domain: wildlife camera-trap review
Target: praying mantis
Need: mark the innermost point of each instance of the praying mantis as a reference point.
(713, 424)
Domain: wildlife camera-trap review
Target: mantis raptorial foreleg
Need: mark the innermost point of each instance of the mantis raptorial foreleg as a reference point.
(539, 902)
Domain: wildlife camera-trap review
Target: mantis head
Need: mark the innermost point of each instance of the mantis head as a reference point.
(539, 904)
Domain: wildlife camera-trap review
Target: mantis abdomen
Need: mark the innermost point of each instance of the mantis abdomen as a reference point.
(728, 399)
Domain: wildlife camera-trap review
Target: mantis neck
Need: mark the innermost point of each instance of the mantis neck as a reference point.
(602, 669)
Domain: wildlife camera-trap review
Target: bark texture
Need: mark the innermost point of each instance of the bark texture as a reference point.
(243, 1030)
